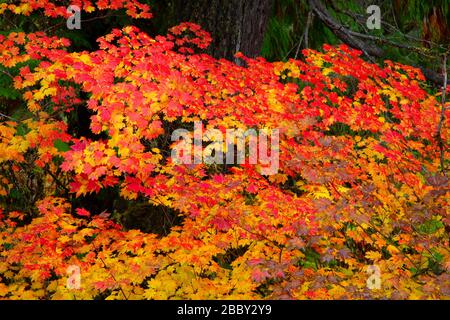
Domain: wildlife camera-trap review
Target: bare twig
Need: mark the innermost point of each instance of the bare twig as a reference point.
(304, 35)
(7, 73)
(6, 116)
(440, 141)
(308, 24)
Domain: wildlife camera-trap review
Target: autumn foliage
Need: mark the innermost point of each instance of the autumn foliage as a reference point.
(360, 179)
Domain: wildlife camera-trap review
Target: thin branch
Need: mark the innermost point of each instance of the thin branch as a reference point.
(6, 116)
(361, 19)
(57, 181)
(85, 20)
(308, 24)
(341, 32)
(114, 278)
(441, 143)
(7, 73)
(304, 36)
(380, 39)
(298, 48)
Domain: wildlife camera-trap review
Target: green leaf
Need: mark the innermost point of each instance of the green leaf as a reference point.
(430, 227)
(22, 129)
(61, 146)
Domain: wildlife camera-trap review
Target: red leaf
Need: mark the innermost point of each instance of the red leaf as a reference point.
(83, 212)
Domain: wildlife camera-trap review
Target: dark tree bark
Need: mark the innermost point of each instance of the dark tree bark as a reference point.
(235, 25)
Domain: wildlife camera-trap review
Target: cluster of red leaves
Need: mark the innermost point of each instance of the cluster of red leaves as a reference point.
(189, 33)
(359, 180)
(19, 47)
(54, 9)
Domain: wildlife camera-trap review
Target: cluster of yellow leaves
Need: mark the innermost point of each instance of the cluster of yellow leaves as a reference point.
(114, 264)
(27, 144)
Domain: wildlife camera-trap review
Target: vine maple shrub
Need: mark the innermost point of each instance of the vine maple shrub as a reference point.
(359, 182)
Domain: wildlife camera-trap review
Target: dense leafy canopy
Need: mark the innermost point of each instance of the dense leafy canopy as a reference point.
(359, 183)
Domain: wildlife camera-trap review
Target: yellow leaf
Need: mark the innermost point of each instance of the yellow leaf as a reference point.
(392, 249)
(3, 290)
(85, 58)
(373, 255)
(39, 95)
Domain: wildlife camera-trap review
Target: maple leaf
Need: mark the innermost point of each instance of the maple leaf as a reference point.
(82, 212)
(260, 275)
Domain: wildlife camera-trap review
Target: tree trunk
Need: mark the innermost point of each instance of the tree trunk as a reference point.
(234, 25)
